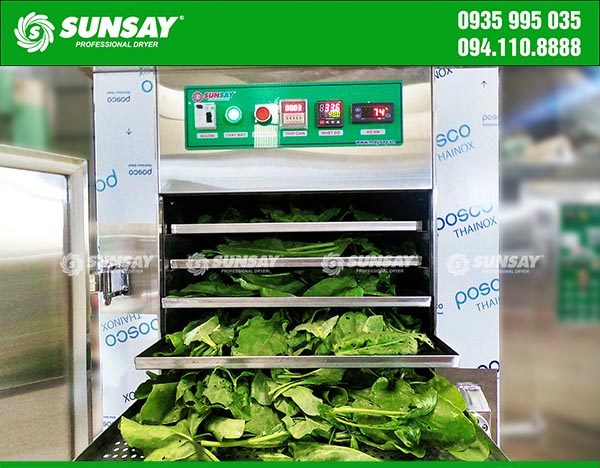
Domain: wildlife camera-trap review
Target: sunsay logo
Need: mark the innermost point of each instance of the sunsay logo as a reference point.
(117, 27)
(34, 32)
(214, 95)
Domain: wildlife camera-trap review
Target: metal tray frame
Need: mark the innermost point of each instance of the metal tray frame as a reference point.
(298, 262)
(316, 301)
(443, 356)
(333, 226)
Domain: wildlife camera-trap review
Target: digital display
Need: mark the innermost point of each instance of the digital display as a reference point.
(293, 113)
(293, 107)
(330, 114)
(381, 112)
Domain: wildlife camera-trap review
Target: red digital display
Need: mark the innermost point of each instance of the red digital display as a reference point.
(378, 112)
(294, 107)
(371, 112)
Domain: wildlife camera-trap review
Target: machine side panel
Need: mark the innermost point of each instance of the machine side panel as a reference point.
(466, 189)
(127, 211)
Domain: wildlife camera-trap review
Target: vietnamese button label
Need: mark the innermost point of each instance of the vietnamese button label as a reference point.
(208, 135)
(235, 135)
(372, 131)
(331, 132)
(295, 133)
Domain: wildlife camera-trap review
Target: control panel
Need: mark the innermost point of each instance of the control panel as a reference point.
(293, 115)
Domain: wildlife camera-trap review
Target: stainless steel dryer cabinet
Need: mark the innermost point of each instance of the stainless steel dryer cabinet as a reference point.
(440, 187)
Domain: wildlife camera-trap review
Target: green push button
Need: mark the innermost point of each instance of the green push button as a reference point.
(233, 115)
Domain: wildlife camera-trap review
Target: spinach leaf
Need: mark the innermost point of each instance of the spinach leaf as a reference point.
(263, 420)
(261, 388)
(447, 427)
(163, 443)
(448, 391)
(305, 399)
(161, 406)
(272, 246)
(477, 451)
(219, 390)
(320, 328)
(271, 285)
(386, 342)
(260, 337)
(226, 428)
(213, 285)
(393, 396)
(202, 332)
(313, 451)
(335, 286)
(302, 427)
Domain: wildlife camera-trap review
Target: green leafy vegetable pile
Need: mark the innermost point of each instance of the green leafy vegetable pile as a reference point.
(293, 215)
(323, 415)
(350, 282)
(352, 333)
(272, 246)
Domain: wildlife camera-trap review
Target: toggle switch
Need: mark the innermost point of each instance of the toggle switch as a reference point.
(205, 115)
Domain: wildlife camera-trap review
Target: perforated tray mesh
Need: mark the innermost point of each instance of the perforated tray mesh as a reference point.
(120, 451)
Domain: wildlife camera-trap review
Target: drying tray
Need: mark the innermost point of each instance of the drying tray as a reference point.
(334, 262)
(212, 302)
(333, 226)
(442, 356)
(110, 446)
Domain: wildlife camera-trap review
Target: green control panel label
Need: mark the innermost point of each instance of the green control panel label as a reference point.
(293, 115)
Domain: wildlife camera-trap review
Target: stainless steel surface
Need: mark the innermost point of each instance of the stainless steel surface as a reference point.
(300, 262)
(119, 236)
(370, 168)
(335, 226)
(45, 307)
(227, 302)
(442, 356)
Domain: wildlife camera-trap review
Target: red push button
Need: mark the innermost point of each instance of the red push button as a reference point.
(262, 114)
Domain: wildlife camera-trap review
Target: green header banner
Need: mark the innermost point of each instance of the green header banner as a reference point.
(299, 33)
